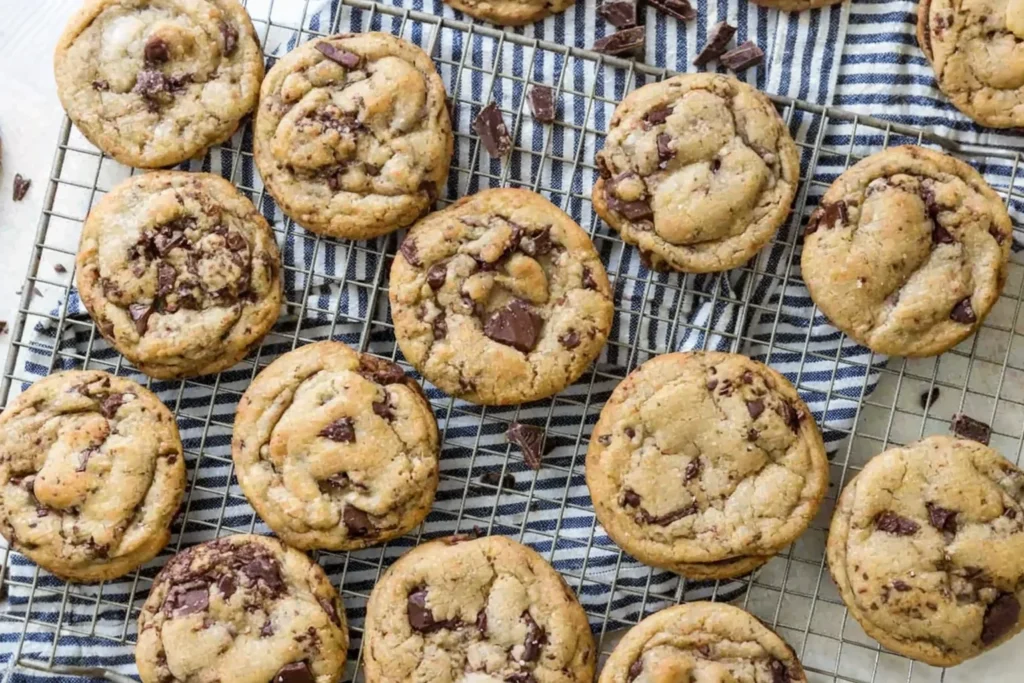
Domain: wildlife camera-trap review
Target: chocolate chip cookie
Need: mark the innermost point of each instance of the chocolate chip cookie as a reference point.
(91, 475)
(353, 137)
(927, 549)
(698, 171)
(245, 609)
(702, 641)
(500, 298)
(907, 251)
(180, 272)
(336, 449)
(974, 48)
(484, 609)
(155, 82)
(511, 12)
(705, 464)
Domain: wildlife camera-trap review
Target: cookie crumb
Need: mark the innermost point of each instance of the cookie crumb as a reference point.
(59, 268)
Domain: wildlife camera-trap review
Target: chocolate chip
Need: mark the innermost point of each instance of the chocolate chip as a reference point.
(266, 570)
(357, 522)
(635, 669)
(668, 518)
(570, 339)
(267, 629)
(436, 276)
(101, 85)
(420, 617)
(665, 152)
(618, 13)
(826, 217)
(755, 408)
(235, 241)
(941, 236)
(110, 404)
(1000, 618)
(901, 586)
(780, 673)
(381, 370)
(693, 469)
(230, 35)
(515, 325)
(657, 115)
(929, 397)
(183, 600)
(636, 210)
(341, 430)
(542, 103)
(495, 478)
(140, 313)
(410, 252)
(335, 482)
(165, 278)
(530, 440)
(742, 57)
(680, 9)
(150, 83)
(297, 672)
(493, 132)
(439, 327)
(328, 607)
(891, 523)
(536, 244)
(347, 59)
(629, 41)
(226, 585)
(629, 432)
(963, 312)
(21, 185)
(752, 434)
(969, 428)
(588, 279)
(536, 638)
(942, 518)
(156, 51)
(631, 498)
(384, 409)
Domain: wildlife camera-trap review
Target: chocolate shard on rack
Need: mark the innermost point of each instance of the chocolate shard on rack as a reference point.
(742, 57)
(542, 103)
(21, 185)
(627, 42)
(718, 39)
(680, 9)
(493, 132)
(619, 13)
(969, 428)
(530, 440)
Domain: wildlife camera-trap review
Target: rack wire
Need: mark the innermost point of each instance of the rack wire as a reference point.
(337, 289)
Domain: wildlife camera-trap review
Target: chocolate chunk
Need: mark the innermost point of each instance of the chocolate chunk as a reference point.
(150, 83)
(680, 9)
(439, 327)
(140, 313)
(410, 252)
(628, 41)
(941, 236)
(357, 522)
(380, 370)
(347, 59)
(635, 669)
(826, 217)
(1000, 618)
(755, 408)
(428, 186)
(297, 672)
(780, 674)
(570, 339)
(21, 185)
(752, 434)
(618, 13)
(384, 409)
(110, 404)
(588, 279)
(657, 115)
(969, 428)
(156, 51)
(332, 613)
(264, 568)
(665, 152)
(495, 478)
(942, 518)
(515, 325)
(542, 103)
(537, 244)
(420, 617)
(536, 638)
(341, 430)
(165, 278)
(637, 210)
(790, 415)
(101, 85)
(267, 629)
(530, 440)
(711, 384)
(963, 312)
(335, 482)
(183, 600)
(693, 469)
(235, 241)
(481, 622)
(493, 132)
(901, 586)
(719, 37)
(226, 585)
(230, 35)
(436, 276)
(742, 57)
(929, 397)
(668, 518)
(891, 523)
(631, 498)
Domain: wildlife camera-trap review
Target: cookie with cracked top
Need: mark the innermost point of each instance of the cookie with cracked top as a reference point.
(485, 609)
(927, 548)
(336, 449)
(246, 609)
(180, 272)
(698, 171)
(511, 12)
(907, 251)
(352, 136)
(152, 83)
(705, 464)
(500, 298)
(91, 474)
(702, 641)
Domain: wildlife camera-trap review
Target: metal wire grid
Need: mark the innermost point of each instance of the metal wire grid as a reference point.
(53, 625)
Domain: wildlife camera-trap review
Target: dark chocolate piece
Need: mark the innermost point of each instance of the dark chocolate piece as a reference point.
(530, 440)
(21, 185)
(156, 51)
(680, 9)
(542, 103)
(719, 37)
(349, 60)
(618, 13)
(1000, 618)
(628, 41)
(230, 35)
(493, 132)
(357, 522)
(140, 313)
(296, 672)
(891, 523)
(942, 518)
(515, 325)
(341, 430)
(536, 638)
(969, 428)
(742, 57)
(963, 312)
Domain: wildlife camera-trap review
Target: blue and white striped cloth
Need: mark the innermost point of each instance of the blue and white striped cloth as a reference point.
(863, 58)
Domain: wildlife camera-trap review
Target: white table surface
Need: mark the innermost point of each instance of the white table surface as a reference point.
(30, 118)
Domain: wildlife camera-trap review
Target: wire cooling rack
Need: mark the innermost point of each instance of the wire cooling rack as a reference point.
(336, 289)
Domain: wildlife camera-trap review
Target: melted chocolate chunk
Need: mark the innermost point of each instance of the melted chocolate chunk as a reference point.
(680, 9)
(230, 35)
(969, 428)
(780, 674)
(267, 629)
(588, 279)
(332, 613)
(537, 244)
(380, 370)
(963, 312)
(1000, 618)
(636, 210)
(752, 434)
(297, 672)
(420, 617)
(439, 327)
(901, 586)
(21, 185)
(635, 669)
(101, 85)
(110, 404)
(384, 409)
(542, 103)
(264, 568)
(826, 217)
(515, 325)
(665, 152)
(226, 585)
(410, 252)
(357, 522)
(631, 498)
(341, 430)
(235, 241)
(188, 599)
(493, 132)
(618, 13)
(668, 518)
(755, 408)
(530, 440)
(436, 276)
(165, 278)
(627, 42)
(891, 523)
(742, 57)
(335, 482)
(657, 115)
(942, 518)
(481, 622)
(790, 415)
(83, 459)
(150, 83)
(140, 314)
(570, 339)
(941, 236)
(536, 638)
(347, 59)
(156, 51)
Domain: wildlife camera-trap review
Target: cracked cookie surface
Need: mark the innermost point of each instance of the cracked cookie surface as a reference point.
(353, 137)
(976, 48)
(500, 298)
(155, 82)
(907, 251)
(511, 12)
(246, 609)
(927, 549)
(91, 474)
(698, 171)
(180, 272)
(702, 641)
(485, 610)
(336, 449)
(705, 464)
